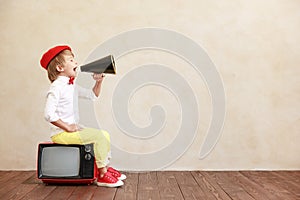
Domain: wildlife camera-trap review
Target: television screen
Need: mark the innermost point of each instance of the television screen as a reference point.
(59, 161)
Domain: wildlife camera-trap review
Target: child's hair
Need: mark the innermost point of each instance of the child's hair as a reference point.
(57, 60)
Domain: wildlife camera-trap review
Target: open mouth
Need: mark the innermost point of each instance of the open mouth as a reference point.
(74, 69)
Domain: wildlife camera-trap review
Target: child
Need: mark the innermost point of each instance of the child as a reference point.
(61, 113)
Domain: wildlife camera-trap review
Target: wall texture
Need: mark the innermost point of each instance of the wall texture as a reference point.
(255, 46)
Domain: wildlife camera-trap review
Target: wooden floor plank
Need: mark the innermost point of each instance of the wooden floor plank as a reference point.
(20, 189)
(162, 185)
(234, 190)
(41, 191)
(148, 180)
(18, 192)
(82, 192)
(148, 195)
(270, 184)
(8, 176)
(3, 173)
(129, 190)
(168, 186)
(206, 189)
(104, 193)
(14, 182)
(295, 174)
(185, 178)
(251, 187)
(61, 192)
(148, 186)
(167, 178)
(290, 175)
(289, 183)
(215, 189)
(192, 193)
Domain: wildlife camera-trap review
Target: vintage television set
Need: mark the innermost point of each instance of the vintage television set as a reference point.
(66, 164)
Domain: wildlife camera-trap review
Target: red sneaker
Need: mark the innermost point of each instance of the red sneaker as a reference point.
(116, 173)
(108, 180)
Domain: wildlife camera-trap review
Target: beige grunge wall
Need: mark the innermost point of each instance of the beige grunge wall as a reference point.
(255, 46)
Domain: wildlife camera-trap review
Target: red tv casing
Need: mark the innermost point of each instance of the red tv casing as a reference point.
(66, 180)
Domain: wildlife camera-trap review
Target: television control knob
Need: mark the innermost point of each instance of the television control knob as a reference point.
(87, 148)
(88, 156)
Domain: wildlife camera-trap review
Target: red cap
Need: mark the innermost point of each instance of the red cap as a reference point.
(51, 53)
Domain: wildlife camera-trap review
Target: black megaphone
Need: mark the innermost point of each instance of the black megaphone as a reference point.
(102, 65)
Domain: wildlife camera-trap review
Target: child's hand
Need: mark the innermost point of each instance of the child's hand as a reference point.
(98, 77)
(73, 128)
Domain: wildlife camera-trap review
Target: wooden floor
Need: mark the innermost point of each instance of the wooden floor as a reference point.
(283, 185)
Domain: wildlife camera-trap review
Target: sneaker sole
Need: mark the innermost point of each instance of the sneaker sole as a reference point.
(117, 184)
(122, 177)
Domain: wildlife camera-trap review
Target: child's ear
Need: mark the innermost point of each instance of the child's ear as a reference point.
(59, 68)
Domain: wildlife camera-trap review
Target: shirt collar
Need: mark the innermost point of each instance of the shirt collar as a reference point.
(63, 79)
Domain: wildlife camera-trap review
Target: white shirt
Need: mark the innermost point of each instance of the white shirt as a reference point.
(61, 103)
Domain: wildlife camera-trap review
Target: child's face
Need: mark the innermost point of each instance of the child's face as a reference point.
(69, 67)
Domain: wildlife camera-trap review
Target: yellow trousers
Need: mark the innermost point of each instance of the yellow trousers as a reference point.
(99, 138)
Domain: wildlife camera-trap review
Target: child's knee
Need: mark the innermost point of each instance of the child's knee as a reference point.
(106, 134)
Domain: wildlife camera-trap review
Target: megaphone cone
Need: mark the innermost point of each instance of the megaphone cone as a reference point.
(102, 65)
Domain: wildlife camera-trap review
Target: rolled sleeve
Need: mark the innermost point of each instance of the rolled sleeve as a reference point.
(86, 93)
